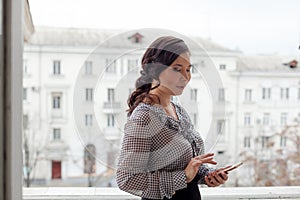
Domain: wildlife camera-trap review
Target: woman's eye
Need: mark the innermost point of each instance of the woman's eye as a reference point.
(177, 70)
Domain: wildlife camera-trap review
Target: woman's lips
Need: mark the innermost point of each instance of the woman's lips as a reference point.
(180, 87)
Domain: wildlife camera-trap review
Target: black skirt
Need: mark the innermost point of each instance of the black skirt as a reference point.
(191, 192)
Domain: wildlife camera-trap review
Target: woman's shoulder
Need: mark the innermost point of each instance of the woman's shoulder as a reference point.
(141, 111)
(148, 111)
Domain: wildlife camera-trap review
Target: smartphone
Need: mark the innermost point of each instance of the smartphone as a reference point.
(233, 167)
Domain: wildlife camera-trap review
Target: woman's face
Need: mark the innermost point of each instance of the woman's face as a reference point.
(175, 77)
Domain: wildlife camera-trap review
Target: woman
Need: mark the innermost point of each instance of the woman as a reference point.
(162, 155)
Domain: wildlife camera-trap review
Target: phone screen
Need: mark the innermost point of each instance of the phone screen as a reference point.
(233, 167)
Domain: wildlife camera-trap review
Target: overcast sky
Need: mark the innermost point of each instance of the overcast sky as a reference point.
(253, 26)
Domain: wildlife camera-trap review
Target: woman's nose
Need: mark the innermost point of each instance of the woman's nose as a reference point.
(185, 76)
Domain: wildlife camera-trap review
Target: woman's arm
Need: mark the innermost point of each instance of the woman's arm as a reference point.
(133, 174)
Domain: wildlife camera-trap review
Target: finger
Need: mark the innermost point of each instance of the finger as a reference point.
(223, 175)
(214, 181)
(204, 158)
(209, 160)
(196, 163)
(206, 155)
(219, 179)
(213, 176)
(207, 180)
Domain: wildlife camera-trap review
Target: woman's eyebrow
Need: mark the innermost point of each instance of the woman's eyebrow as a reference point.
(180, 65)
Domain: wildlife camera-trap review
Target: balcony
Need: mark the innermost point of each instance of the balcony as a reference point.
(249, 193)
(112, 133)
(111, 107)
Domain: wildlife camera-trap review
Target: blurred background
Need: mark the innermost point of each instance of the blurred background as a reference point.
(81, 59)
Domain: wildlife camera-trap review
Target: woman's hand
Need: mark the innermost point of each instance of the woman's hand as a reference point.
(217, 177)
(192, 168)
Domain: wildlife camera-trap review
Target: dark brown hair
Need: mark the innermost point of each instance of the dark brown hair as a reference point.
(159, 55)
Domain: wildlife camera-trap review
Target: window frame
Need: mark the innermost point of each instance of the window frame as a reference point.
(248, 95)
(266, 119)
(266, 93)
(222, 67)
(89, 94)
(221, 95)
(11, 90)
(247, 119)
(88, 67)
(111, 94)
(56, 134)
(110, 65)
(283, 118)
(194, 94)
(111, 120)
(56, 98)
(56, 69)
(284, 93)
(88, 120)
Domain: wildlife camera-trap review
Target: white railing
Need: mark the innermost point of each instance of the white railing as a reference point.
(232, 193)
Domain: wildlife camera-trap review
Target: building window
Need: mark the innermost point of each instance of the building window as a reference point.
(247, 119)
(284, 93)
(222, 67)
(111, 94)
(195, 119)
(89, 159)
(110, 120)
(193, 68)
(88, 66)
(283, 141)
(56, 100)
(25, 67)
(221, 126)
(56, 134)
(194, 94)
(248, 95)
(111, 66)
(266, 93)
(266, 119)
(247, 142)
(132, 64)
(265, 141)
(283, 119)
(89, 94)
(25, 122)
(136, 38)
(25, 94)
(221, 95)
(56, 67)
(88, 120)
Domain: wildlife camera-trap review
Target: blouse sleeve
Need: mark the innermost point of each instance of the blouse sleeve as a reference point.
(204, 169)
(133, 175)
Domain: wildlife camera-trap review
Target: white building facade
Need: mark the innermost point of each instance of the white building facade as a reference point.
(76, 85)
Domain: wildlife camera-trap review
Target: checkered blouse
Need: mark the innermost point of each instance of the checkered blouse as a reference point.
(155, 151)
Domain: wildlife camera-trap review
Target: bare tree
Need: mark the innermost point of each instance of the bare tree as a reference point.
(90, 163)
(31, 151)
(278, 163)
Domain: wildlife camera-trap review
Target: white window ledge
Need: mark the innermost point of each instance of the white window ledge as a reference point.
(68, 193)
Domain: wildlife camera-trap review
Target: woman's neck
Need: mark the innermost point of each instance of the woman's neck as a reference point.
(164, 99)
